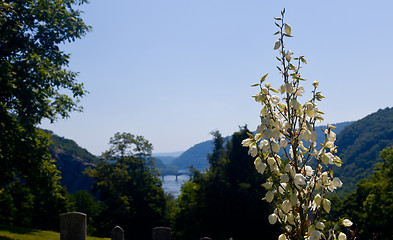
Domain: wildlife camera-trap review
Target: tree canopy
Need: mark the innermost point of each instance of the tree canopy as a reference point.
(35, 84)
(225, 201)
(128, 188)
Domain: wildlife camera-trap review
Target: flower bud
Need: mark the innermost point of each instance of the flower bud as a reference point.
(342, 236)
(272, 218)
(326, 204)
(347, 223)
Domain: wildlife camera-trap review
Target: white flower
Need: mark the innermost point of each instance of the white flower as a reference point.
(326, 204)
(315, 235)
(288, 167)
(282, 237)
(315, 84)
(283, 143)
(269, 196)
(272, 218)
(306, 135)
(336, 183)
(275, 147)
(293, 199)
(347, 223)
(284, 178)
(331, 136)
(267, 185)
(253, 150)
(342, 236)
(318, 199)
(291, 219)
(320, 226)
(259, 165)
(275, 99)
(246, 142)
(271, 161)
(289, 88)
(314, 136)
(299, 180)
(300, 91)
(264, 145)
(286, 206)
(309, 170)
(295, 104)
(281, 189)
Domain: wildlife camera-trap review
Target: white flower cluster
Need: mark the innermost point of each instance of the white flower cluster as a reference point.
(285, 148)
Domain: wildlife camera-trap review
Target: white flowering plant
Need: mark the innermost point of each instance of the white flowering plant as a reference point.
(285, 149)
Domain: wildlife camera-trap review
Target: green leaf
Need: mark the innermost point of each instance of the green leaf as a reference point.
(303, 60)
(263, 78)
(273, 90)
(277, 44)
(250, 135)
(292, 67)
(276, 32)
(279, 69)
(255, 85)
(278, 19)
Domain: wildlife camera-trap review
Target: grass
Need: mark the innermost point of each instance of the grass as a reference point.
(17, 233)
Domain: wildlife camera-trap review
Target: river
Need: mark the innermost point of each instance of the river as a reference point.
(170, 185)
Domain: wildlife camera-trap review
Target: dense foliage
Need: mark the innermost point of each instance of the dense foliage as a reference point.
(224, 201)
(34, 84)
(371, 205)
(360, 144)
(71, 160)
(128, 188)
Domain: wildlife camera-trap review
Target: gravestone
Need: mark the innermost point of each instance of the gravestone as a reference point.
(73, 226)
(161, 233)
(206, 238)
(117, 233)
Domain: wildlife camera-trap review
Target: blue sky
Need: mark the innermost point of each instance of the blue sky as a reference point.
(175, 70)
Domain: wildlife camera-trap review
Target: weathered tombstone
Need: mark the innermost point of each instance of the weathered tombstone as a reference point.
(117, 233)
(206, 238)
(73, 226)
(161, 233)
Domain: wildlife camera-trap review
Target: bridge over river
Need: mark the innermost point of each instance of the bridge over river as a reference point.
(176, 173)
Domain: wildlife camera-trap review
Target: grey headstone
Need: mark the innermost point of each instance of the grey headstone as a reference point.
(161, 233)
(73, 226)
(206, 238)
(117, 233)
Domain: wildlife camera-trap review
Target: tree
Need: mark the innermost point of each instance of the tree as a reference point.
(34, 84)
(224, 202)
(371, 205)
(128, 188)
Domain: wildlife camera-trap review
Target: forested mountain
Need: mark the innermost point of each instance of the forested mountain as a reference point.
(72, 160)
(195, 156)
(359, 145)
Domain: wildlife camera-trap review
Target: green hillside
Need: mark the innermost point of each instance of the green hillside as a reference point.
(195, 156)
(72, 160)
(359, 145)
